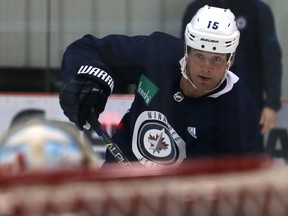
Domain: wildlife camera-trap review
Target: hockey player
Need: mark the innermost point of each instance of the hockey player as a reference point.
(258, 60)
(184, 107)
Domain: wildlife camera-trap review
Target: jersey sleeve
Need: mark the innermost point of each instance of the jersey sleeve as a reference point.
(115, 55)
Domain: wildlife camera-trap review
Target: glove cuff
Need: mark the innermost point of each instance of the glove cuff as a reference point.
(99, 75)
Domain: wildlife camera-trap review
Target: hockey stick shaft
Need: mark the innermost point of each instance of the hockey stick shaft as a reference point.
(107, 141)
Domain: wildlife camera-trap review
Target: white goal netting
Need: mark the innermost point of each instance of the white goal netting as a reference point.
(247, 186)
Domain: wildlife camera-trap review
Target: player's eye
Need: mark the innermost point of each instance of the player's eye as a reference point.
(198, 56)
(216, 59)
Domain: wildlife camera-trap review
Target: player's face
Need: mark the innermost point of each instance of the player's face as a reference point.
(206, 69)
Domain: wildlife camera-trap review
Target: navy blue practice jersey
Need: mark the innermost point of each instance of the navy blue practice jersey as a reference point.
(163, 126)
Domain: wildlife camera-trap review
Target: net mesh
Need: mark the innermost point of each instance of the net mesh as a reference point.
(249, 186)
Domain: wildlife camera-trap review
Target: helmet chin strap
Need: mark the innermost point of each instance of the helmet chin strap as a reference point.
(183, 72)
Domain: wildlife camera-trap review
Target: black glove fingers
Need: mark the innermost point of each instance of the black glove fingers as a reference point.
(78, 97)
(102, 100)
(88, 98)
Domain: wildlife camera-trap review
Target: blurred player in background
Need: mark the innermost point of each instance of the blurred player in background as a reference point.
(43, 144)
(184, 107)
(258, 60)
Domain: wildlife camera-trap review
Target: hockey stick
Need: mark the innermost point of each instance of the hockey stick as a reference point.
(107, 141)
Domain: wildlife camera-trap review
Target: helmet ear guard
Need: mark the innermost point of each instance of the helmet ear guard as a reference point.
(214, 30)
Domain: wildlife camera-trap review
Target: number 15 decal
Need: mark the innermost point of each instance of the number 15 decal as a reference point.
(213, 25)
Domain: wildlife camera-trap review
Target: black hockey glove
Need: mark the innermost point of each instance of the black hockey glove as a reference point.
(81, 96)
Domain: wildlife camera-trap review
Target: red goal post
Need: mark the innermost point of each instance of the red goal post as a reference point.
(223, 186)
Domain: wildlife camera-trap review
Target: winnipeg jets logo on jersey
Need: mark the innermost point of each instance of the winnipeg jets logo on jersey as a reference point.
(155, 142)
(241, 22)
(158, 142)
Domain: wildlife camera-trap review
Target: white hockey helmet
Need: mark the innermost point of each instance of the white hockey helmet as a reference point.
(214, 30)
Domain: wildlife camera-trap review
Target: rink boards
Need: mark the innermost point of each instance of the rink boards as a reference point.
(13, 105)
